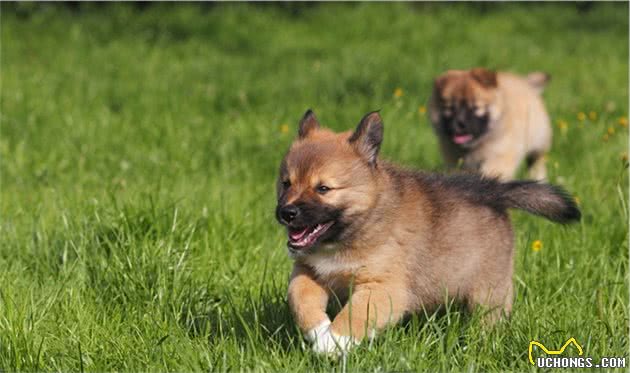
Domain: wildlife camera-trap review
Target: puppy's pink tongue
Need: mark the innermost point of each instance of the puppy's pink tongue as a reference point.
(297, 235)
(461, 139)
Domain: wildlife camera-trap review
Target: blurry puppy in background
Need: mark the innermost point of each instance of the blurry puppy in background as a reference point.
(389, 241)
(490, 121)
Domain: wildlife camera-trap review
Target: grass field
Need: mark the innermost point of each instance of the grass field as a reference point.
(139, 150)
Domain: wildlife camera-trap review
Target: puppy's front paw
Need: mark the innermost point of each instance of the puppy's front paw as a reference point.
(326, 342)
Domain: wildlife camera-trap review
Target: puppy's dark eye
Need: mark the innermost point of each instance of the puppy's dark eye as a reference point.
(286, 184)
(322, 189)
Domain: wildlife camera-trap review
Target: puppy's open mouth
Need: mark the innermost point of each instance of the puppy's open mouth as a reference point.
(462, 139)
(304, 237)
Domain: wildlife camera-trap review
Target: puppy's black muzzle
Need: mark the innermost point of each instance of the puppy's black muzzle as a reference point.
(304, 214)
(465, 122)
(288, 213)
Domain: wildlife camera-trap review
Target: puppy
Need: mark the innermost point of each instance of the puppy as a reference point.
(392, 241)
(490, 121)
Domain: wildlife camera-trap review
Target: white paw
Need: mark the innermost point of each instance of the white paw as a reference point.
(326, 342)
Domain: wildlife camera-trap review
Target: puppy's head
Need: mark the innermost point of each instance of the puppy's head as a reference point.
(464, 103)
(327, 182)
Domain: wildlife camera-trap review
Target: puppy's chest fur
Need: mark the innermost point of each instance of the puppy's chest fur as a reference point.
(340, 269)
(378, 263)
(336, 270)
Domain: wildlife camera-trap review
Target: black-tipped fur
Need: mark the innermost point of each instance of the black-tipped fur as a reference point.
(546, 200)
(308, 123)
(549, 201)
(368, 136)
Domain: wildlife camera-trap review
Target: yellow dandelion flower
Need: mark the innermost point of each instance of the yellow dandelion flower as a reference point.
(624, 157)
(623, 122)
(537, 245)
(577, 200)
(398, 92)
(581, 116)
(605, 137)
(611, 130)
(422, 110)
(284, 128)
(563, 125)
(592, 115)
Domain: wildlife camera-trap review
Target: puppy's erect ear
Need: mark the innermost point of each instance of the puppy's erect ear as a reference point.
(439, 82)
(485, 77)
(368, 136)
(308, 123)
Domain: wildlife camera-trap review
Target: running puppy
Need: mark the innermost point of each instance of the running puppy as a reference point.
(491, 121)
(401, 239)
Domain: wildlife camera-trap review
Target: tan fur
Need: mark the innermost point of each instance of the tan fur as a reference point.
(519, 126)
(413, 246)
(307, 298)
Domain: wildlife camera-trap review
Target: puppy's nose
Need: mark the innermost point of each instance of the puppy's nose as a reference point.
(460, 126)
(289, 212)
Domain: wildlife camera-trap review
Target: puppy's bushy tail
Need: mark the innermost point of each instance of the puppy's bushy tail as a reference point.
(546, 200)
